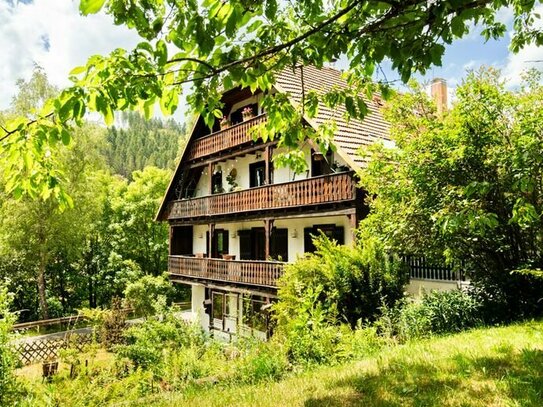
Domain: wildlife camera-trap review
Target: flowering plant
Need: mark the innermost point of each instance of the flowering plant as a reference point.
(247, 111)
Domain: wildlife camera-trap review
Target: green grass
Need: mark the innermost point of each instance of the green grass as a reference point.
(484, 367)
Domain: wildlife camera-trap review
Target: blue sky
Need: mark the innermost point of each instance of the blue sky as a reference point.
(51, 33)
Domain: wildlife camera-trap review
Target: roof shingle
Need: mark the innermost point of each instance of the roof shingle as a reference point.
(350, 135)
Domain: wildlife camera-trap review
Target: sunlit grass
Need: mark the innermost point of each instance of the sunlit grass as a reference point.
(484, 367)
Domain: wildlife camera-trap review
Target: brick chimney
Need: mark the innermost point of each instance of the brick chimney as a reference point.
(439, 94)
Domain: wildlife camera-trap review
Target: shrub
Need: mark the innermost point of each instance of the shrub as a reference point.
(148, 295)
(147, 342)
(436, 312)
(348, 283)
(7, 358)
(262, 361)
(336, 284)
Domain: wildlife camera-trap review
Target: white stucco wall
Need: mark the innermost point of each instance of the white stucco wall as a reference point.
(295, 233)
(417, 287)
(197, 304)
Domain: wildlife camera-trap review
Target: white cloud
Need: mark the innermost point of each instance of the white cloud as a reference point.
(530, 56)
(27, 30)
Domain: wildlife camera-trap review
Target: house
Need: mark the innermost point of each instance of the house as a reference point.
(235, 220)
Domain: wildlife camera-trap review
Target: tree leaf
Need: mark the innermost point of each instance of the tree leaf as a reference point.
(87, 7)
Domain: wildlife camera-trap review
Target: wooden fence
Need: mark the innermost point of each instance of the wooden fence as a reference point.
(39, 350)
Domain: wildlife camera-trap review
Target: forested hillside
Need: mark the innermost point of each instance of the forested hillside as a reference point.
(136, 143)
(60, 257)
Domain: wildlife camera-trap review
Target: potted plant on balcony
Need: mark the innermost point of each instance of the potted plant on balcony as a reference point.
(225, 122)
(227, 256)
(247, 113)
(231, 180)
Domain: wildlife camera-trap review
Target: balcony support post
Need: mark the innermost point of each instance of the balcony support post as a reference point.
(353, 224)
(211, 234)
(210, 172)
(267, 157)
(268, 226)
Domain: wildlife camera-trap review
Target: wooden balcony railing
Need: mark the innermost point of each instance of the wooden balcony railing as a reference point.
(252, 272)
(224, 139)
(313, 191)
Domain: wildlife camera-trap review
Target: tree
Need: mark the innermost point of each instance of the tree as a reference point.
(7, 357)
(153, 143)
(467, 186)
(218, 45)
(136, 235)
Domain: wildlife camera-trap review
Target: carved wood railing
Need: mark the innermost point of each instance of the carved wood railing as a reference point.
(224, 139)
(252, 272)
(313, 191)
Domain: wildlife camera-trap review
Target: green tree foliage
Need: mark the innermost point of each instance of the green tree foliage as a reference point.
(218, 45)
(136, 235)
(62, 257)
(7, 357)
(149, 295)
(467, 186)
(138, 143)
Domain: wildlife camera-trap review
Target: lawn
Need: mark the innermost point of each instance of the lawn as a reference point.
(485, 367)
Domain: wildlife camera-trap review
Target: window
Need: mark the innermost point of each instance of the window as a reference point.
(253, 315)
(216, 183)
(279, 244)
(251, 244)
(218, 306)
(220, 243)
(181, 240)
(334, 232)
(257, 174)
(320, 164)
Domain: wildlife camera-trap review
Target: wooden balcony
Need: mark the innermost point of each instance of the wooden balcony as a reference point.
(326, 189)
(233, 136)
(250, 272)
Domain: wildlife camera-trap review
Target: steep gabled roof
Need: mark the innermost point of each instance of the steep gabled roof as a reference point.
(350, 135)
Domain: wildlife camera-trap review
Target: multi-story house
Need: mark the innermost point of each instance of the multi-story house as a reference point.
(235, 220)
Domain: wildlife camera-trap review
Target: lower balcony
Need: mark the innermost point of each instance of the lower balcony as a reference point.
(249, 272)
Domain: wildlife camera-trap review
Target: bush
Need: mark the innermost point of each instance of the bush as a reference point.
(147, 343)
(262, 361)
(437, 312)
(344, 283)
(148, 295)
(336, 284)
(8, 360)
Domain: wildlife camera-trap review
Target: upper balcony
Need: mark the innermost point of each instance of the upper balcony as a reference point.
(230, 137)
(326, 189)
